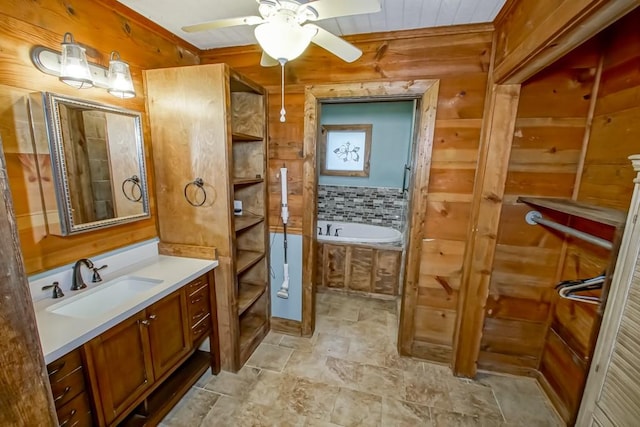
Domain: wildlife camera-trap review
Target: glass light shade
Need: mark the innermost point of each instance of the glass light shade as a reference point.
(74, 69)
(120, 83)
(283, 40)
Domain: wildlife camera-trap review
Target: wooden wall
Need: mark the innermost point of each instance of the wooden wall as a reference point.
(607, 180)
(100, 27)
(547, 144)
(459, 57)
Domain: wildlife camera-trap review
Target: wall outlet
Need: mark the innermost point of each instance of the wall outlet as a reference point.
(237, 207)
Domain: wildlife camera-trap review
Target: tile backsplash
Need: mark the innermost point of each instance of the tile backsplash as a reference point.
(368, 205)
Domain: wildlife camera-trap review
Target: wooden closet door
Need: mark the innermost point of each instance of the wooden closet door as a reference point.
(168, 332)
(122, 365)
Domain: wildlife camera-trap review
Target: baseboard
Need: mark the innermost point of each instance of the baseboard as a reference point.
(558, 404)
(286, 326)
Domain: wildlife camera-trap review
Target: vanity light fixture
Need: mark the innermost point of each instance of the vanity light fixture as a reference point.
(71, 67)
(74, 68)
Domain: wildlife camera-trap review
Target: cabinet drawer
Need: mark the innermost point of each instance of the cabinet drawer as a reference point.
(197, 284)
(64, 366)
(198, 306)
(201, 328)
(76, 413)
(68, 387)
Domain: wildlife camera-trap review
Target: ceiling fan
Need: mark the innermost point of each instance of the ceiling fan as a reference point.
(284, 29)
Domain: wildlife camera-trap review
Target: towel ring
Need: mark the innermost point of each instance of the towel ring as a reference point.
(135, 182)
(198, 182)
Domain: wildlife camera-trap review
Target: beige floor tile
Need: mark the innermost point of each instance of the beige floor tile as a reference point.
(341, 372)
(382, 381)
(311, 399)
(306, 365)
(344, 312)
(472, 399)
(234, 385)
(298, 343)
(192, 409)
(427, 391)
(255, 415)
(399, 413)
(270, 388)
(273, 338)
(223, 413)
(271, 357)
(512, 393)
(331, 345)
(350, 373)
(443, 418)
(312, 422)
(355, 408)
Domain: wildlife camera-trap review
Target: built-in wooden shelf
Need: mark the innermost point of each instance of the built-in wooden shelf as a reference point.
(245, 259)
(252, 327)
(243, 137)
(247, 181)
(248, 293)
(160, 402)
(244, 221)
(599, 214)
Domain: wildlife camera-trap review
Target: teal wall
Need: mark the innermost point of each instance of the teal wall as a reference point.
(390, 140)
(290, 308)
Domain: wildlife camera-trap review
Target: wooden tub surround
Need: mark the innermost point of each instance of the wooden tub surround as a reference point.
(372, 270)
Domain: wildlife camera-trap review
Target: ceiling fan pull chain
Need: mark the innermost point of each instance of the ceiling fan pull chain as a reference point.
(282, 110)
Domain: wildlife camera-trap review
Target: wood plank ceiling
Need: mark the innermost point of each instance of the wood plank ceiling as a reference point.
(395, 15)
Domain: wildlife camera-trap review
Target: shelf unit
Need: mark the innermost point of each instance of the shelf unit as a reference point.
(210, 123)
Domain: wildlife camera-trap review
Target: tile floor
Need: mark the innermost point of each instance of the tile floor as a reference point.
(349, 374)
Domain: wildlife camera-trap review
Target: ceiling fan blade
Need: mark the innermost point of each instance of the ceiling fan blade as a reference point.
(336, 8)
(267, 61)
(222, 23)
(335, 44)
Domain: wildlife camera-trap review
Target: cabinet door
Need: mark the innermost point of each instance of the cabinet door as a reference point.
(122, 364)
(169, 333)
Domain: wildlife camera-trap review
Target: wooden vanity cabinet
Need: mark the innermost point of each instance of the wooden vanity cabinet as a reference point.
(122, 363)
(70, 391)
(141, 367)
(169, 334)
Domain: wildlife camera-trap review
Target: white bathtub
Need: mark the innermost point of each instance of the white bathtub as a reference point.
(356, 232)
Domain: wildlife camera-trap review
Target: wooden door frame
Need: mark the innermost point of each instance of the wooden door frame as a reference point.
(427, 92)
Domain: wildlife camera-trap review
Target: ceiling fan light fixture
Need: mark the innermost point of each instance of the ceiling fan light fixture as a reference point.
(283, 40)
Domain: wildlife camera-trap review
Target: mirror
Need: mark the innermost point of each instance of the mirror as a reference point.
(97, 161)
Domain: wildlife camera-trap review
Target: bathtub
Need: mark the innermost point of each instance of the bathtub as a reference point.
(357, 233)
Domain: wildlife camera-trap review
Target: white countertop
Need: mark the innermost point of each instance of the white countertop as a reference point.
(59, 334)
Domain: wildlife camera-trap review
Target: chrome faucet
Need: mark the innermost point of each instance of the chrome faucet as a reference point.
(328, 229)
(76, 281)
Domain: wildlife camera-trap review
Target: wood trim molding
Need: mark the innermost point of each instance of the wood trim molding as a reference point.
(126, 12)
(369, 37)
(564, 27)
(493, 164)
(286, 326)
(427, 92)
(26, 394)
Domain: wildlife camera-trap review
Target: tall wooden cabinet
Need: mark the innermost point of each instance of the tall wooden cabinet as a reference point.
(208, 129)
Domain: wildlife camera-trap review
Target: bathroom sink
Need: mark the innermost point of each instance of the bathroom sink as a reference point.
(104, 298)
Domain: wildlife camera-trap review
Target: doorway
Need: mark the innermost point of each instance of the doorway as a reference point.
(425, 92)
